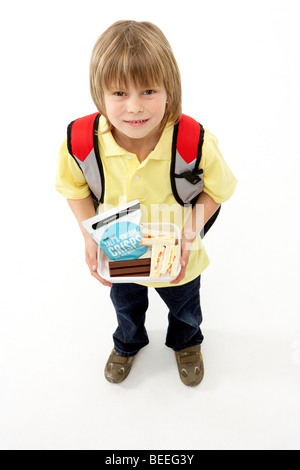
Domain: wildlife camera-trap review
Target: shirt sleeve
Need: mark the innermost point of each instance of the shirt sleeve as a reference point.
(70, 181)
(219, 181)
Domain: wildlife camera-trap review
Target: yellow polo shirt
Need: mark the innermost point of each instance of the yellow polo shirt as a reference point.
(126, 179)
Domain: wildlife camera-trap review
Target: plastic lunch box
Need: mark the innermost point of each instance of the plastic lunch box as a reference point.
(103, 269)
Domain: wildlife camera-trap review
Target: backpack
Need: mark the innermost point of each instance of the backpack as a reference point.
(186, 178)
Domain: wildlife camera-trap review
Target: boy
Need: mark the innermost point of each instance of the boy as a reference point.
(135, 84)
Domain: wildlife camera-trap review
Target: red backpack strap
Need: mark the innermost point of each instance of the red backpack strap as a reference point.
(81, 136)
(82, 142)
(186, 178)
(189, 139)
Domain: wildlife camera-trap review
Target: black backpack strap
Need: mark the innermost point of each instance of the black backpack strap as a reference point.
(209, 223)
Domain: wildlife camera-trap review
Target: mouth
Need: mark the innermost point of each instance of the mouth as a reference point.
(138, 122)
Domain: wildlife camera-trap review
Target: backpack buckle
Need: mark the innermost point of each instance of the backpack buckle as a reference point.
(192, 176)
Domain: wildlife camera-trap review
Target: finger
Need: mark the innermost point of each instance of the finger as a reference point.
(95, 274)
(184, 259)
(180, 276)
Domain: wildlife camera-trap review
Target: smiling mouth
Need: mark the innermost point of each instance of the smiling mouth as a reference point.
(137, 122)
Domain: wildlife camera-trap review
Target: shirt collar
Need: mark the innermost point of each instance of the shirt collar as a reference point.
(110, 148)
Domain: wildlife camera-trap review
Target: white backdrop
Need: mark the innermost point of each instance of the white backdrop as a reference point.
(240, 71)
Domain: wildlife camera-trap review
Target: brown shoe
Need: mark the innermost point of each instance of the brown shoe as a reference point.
(117, 367)
(190, 365)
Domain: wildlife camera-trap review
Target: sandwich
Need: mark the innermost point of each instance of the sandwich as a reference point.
(154, 233)
(165, 252)
(164, 260)
(156, 237)
(151, 241)
(156, 261)
(174, 260)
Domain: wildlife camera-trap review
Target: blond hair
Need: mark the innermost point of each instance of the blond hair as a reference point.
(138, 53)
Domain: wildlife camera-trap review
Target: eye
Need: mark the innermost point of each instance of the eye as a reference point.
(119, 93)
(149, 92)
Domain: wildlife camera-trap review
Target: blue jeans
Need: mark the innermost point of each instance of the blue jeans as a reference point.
(185, 316)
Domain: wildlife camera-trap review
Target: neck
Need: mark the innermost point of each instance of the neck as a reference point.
(140, 147)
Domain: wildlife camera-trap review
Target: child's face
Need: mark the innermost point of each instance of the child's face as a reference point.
(135, 112)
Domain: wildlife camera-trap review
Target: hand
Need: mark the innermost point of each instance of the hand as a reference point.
(184, 259)
(91, 250)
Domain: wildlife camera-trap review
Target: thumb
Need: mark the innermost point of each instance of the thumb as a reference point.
(92, 262)
(185, 254)
(184, 258)
(183, 261)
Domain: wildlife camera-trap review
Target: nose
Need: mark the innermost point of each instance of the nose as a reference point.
(134, 105)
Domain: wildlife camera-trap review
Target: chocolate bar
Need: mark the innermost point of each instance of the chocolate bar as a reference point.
(136, 267)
